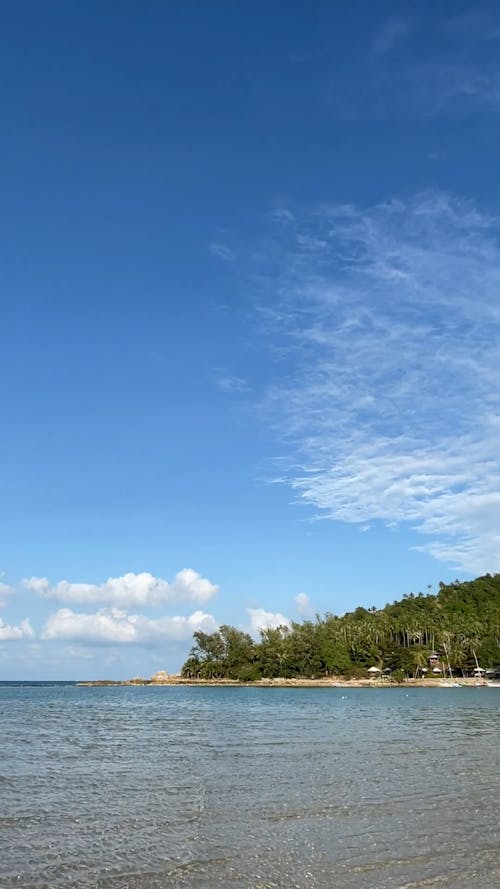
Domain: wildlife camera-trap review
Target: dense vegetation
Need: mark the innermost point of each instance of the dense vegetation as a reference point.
(461, 621)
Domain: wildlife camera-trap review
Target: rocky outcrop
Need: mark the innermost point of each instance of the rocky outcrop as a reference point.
(160, 678)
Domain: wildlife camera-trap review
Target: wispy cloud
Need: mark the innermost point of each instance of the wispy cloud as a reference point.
(222, 251)
(231, 384)
(391, 317)
(456, 71)
(473, 24)
(390, 33)
(443, 86)
(454, 87)
(129, 590)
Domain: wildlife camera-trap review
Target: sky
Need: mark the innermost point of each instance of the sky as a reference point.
(250, 314)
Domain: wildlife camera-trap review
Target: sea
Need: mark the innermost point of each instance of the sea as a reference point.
(248, 788)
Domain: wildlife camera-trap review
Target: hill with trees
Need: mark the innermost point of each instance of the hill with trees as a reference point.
(460, 622)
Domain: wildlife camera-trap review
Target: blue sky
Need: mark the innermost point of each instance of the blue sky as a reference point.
(250, 313)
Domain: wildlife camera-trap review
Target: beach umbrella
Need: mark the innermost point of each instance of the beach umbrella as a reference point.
(436, 670)
(479, 670)
(373, 670)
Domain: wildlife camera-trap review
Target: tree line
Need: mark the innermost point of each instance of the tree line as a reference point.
(461, 622)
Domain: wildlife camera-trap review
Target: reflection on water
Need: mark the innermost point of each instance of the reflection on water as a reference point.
(253, 788)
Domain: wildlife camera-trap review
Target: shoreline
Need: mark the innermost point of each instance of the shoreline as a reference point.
(279, 683)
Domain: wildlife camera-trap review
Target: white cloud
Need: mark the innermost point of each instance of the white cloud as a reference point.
(260, 619)
(13, 633)
(130, 590)
(391, 317)
(303, 604)
(5, 592)
(39, 585)
(116, 626)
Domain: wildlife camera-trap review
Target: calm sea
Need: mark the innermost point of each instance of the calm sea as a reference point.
(248, 788)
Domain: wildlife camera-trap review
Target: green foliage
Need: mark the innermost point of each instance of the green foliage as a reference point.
(398, 676)
(335, 656)
(228, 653)
(462, 620)
(248, 673)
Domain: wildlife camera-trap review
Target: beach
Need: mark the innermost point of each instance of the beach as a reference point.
(336, 682)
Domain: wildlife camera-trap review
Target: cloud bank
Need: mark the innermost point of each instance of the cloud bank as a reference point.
(129, 590)
(390, 317)
(115, 626)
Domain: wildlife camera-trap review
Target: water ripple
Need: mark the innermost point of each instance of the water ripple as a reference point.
(248, 788)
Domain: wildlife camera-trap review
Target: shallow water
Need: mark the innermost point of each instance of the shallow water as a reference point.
(251, 788)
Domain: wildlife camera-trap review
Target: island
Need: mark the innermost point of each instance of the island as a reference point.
(451, 637)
